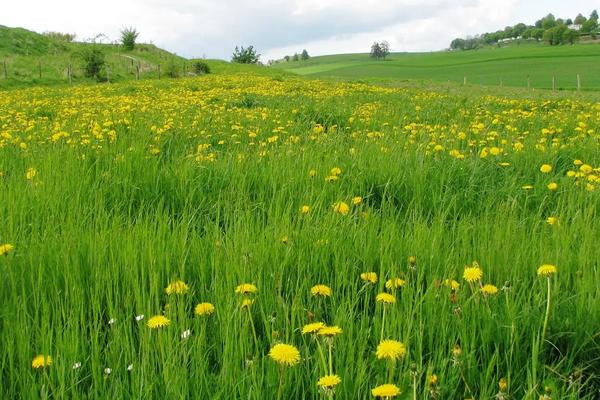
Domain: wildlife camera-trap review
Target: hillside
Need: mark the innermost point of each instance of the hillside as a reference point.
(34, 59)
(511, 66)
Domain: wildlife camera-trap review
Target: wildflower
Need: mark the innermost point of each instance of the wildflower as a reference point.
(394, 283)
(390, 349)
(6, 248)
(204, 309)
(140, 317)
(246, 303)
(356, 200)
(452, 284)
(285, 354)
(130, 367)
(503, 384)
(335, 171)
(321, 290)
(177, 287)
(284, 239)
(158, 321)
(586, 168)
(433, 380)
(552, 220)
(107, 371)
(385, 298)
(304, 210)
(546, 168)
(186, 334)
(31, 173)
(312, 173)
(312, 328)
(489, 289)
(246, 288)
(329, 331)
(412, 261)
(341, 208)
(112, 321)
(329, 381)
(41, 361)
(77, 365)
(370, 277)
(388, 391)
(472, 274)
(546, 270)
(552, 186)
(331, 178)
(527, 187)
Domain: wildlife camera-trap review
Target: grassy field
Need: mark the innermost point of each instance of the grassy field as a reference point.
(32, 60)
(425, 214)
(489, 66)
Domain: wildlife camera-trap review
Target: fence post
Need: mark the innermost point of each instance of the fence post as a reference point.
(40, 68)
(501, 83)
(5, 70)
(578, 83)
(158, 71)
(69, 74)
(464, 80)
(528, 82)
(137, 72)
(553, 83)
(107, 74)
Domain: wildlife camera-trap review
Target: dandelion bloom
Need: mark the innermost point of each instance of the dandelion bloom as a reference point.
(370, 277)
(546, 270)
(321, 290)
(304, 210)
(246, 303)
(385, 298)
(6, 248)
(546, 168)
(41, 361)
(390, 349)
(552, 186)
(489, 289)
(285, 354)
(331, 178)
(312, 173)
(552, 220)
(31, 173)
(472, 274)
(177, 287)
(204, 309)
(432, 380)
(312, 328)
(329, 381)
(503, 384)
(356, 200)
(335, 171)
(246, 288)
(394, 283)
(329, 331)
(388, 390)
(452, 284)
(158, 321)
(341, 208)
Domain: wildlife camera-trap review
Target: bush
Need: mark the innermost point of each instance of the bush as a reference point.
(173, 69)
(128, 38)
(93, 62)
(200, 68)
(245, 55)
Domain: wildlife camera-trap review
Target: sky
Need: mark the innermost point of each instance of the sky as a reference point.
(211, 29)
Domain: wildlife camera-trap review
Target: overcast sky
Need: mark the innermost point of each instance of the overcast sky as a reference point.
(195, 28)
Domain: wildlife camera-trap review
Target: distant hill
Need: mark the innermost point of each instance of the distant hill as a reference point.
(29, 58)
(510, 66)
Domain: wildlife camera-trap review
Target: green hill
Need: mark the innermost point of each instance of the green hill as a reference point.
(29, 58)
(510, 66)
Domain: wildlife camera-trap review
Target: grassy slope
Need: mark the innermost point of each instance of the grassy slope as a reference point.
(24, 51)
(487, 66)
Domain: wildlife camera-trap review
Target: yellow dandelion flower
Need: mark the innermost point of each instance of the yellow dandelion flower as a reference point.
(356, 200)
(394, 283)
(472, 274)
(246, 288)
(546, 168)
(329, 381)
(329, 331)
(31, 173)
(246, 303)
(489, 289)
(433, 380)
(452, 284)
(304, 210)
(370, 277)
(546, 270)
(503, 384)
(388, 391)
(552, 186)
(552, 220)
(312, 328)
(385, 298)
(312, 173)
(335, 171)
(321, 290)
(204, 309)
(341, 208)
(331, 178)
(586, 168)
(527, 187)
(6, 248)
(177, 287)
(285, 354)
(158, 321)
(390, 349)
(41, 361)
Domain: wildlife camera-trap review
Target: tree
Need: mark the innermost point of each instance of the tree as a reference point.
(380, 50)
(128, 38)
(580, 19)
(296, 57)
(245, 55)
(548, 22)
(594, 15)
(304, 55)
(556, 35)
(570, 36)
(589, 26)
(201, 68)
(287, 58)
(457, 44)
(93, 61)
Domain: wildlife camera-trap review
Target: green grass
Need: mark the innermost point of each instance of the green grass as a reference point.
(139, 184)
(489, 66)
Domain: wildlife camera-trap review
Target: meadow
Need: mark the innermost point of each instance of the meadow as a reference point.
(490, 66)
(271, 237)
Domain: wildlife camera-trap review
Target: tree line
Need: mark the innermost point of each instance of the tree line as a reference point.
(550, 29)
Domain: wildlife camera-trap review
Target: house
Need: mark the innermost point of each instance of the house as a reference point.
(575, 27)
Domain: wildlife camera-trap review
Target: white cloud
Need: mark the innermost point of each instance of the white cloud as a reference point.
(278, 27)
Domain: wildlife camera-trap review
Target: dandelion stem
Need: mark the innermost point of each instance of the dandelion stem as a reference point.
(382, 323)
(280, 388)
(546, 317)
(330, 358)
(253, 330)
(323, 362)
(414, 386)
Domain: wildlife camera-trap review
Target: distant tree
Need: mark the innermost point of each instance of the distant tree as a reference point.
(304, 55)
(519, 29)
(93, 61)
(570, 36)
(589, 26)
(457, 44)
(375, 50)
(580, 19)
(556, 35)
(61, 37)
(128, 38)
(548, 22)
(201, 68)
(245, 55)
(173, 68)
(287, 58)
(594, 15)
(569, 21)
(296, 57)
